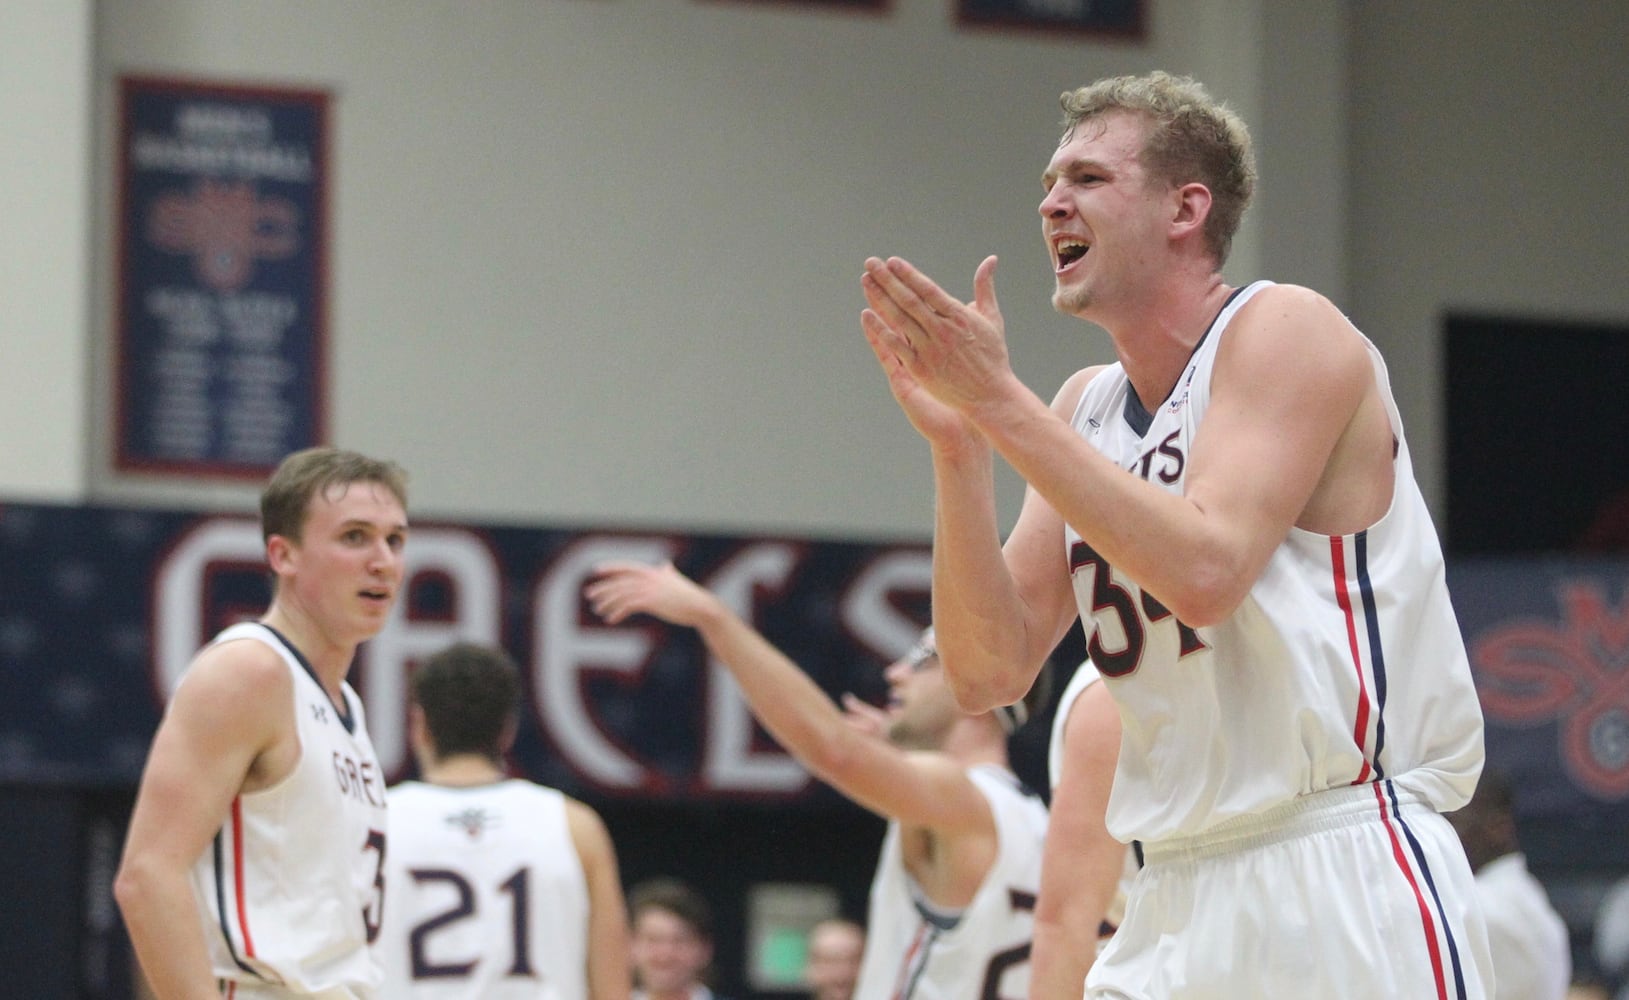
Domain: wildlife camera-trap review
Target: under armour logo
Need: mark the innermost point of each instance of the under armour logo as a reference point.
(319, 712)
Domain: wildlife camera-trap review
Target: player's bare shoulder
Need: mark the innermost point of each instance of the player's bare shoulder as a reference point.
(241, 692)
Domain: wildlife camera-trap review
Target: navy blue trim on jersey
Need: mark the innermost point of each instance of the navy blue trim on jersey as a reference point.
(1377, 654)
(222, 913)
(1134, 413)
(344, 712)
(1430, 883)
(909, 989)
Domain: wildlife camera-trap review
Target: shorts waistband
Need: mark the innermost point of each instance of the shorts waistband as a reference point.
(1329, 809)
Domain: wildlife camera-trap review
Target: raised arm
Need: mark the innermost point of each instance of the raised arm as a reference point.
(916, 789)
(609, 977)
(229, 724)
(1081, 863)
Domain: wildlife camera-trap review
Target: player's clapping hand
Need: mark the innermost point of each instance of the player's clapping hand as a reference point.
(931, 344)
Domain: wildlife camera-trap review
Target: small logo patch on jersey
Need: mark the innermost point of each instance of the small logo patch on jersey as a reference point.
(319, 712)
(473, 822)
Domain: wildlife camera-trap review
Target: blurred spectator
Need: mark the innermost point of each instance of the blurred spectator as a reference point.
(672, 948)
(1612, 937)
(833, 964)
(1532, 958)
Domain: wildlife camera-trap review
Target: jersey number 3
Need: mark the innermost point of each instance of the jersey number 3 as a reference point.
(1135, 615)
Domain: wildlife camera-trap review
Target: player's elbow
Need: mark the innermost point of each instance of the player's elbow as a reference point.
(1208, 593)
(985, 692)
(132, 887)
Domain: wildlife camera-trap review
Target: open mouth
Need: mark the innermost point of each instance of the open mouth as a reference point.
(1070, 251)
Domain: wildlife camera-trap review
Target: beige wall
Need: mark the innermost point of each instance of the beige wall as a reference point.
(45, 163)
(595, 261)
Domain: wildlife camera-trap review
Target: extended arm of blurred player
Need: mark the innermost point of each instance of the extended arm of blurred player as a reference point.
(1081, 865)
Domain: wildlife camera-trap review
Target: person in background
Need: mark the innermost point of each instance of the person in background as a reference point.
(672, 947)
(499, 888)
(832, 966)
(1532, 954)
(950, 914)
(253, 866)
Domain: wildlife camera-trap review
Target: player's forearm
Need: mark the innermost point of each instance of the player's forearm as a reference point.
(977, 614)
(794, 709)
(1059, 961)
(162, 920)
(1193, 564)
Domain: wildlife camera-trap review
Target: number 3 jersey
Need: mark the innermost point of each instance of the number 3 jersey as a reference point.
(290, 888)
(916, 952)
(1343, 665)
(487, 897)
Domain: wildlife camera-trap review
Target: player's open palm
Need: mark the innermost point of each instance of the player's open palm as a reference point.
(928, 339)
(620, 589)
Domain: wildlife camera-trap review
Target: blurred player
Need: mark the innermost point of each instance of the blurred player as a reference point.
(499, 888)
(951, 904)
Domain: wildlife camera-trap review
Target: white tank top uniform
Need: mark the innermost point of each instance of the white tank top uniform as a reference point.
(1085, 676)
(1284, 769)
(290, 889)
(487, 896)
(915, 952)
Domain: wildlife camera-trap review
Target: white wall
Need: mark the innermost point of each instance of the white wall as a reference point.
(1489, 176)
(45, 163)
(596, 261)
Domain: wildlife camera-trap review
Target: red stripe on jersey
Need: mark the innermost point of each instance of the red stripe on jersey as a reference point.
(907, 967)
(1337, 556)
(1419, 898)
(237, 877)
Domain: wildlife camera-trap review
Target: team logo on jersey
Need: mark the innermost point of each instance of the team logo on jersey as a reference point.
(1574, 671)
(473, 822)
(1181, 399)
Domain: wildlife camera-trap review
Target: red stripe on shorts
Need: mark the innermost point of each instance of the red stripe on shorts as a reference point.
(1419, 898)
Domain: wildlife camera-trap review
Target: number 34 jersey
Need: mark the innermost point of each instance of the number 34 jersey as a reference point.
(1343, 665)
(485, 895)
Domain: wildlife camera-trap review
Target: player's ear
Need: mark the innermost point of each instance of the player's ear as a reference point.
(279, 552)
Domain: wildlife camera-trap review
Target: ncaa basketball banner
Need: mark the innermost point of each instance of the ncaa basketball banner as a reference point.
(222, 232)
(1549, 646)
(102, 609)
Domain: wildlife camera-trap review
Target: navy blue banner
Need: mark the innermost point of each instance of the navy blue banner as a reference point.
(1549, 644)
(102, 609)
(221, 251)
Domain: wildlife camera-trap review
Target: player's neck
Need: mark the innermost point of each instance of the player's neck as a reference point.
(1155, 348)
(974, 741)
(463, 771)
(328, 660)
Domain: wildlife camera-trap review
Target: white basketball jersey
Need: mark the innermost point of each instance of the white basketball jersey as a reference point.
(980, 953)
(290, 888)
(486, 895)
(1343, 665)
(1085, 676)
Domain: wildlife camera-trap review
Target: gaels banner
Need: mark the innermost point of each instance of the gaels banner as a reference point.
(101, 609)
